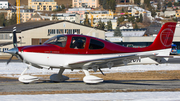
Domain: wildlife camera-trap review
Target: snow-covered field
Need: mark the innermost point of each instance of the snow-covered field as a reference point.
(14, 69)
(124, 96)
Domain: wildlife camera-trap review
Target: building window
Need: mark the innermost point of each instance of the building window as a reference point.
(75, 0)
(5, 36)
(44, 8)
(51, 31)
(60, 31)
(68, 31)
(50, 8)
(5, 49)
(76, 31)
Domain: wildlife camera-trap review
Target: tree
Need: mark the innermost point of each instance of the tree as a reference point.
(59, 8)
(109, 4)
(131, 19)
(104, 4)
(137, 2)
(101, 25)
(109, 25)
(11, 21)
(120, 20)
(159, 5)
(169, 4)
(122, 10)
(101, 2)
(136, 26)
(117, 32)
(2, 19)
(141, 18)
(62, 6)
(86, 21)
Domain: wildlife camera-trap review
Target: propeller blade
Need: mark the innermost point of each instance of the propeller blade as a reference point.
(14, 37)
(10, 59)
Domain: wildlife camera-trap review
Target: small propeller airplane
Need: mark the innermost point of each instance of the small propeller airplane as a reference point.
(85, 52)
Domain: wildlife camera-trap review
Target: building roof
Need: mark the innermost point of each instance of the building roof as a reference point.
(3, 0)
(42, 0)
(31, 25)
(36, 16)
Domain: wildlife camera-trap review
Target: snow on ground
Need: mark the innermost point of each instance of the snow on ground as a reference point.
(125, 96)
(14, 69)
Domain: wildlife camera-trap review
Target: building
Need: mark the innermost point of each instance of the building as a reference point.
(34, 33)
(97, 15)
(42, 5)
(137, 11)
(26, 14)
(72, 17)
(128, 1)
(85, 3)
(4, 4)
(36, 17)
(80, 11)
(177, 13)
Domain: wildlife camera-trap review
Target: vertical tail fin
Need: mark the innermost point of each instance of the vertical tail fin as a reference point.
(164, 38)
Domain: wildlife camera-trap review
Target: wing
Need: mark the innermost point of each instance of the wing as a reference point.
(111, 62)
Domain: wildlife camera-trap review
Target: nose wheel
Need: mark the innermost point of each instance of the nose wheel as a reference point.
(27, 78)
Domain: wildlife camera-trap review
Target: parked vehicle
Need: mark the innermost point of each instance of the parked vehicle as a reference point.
(173, 50)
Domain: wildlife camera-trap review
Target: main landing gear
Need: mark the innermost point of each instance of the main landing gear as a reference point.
(90, 79)
(59, 77)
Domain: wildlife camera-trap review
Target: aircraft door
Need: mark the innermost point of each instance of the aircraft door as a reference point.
(77, 45)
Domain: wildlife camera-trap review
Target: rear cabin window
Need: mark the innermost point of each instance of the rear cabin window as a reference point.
(95, 44)
(78, 42)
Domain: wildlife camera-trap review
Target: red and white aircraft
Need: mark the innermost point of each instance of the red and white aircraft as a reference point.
(85, 52)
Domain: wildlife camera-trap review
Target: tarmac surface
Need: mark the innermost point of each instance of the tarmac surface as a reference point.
(15, 86)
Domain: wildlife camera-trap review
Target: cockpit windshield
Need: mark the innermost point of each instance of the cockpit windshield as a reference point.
(59, 40)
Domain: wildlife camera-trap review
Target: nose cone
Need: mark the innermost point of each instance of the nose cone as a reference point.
(12, 51)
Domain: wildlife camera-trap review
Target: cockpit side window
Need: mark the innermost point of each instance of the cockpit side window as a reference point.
(95, 44)
(58, 40)
(78, 42)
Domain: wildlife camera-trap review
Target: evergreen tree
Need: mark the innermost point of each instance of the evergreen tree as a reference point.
(131, 19)
(101, 2)
(159, 5)
(86, 21)
(120, 20)
(136, 26)
(122, 10)
(117, 32)
(109, 25)
(137, 2)
(11, 21)
(169, 4)
(141, 18)
(101, 25)
(109, 4)
(104, 4)
(62, 6)
(2, 19)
